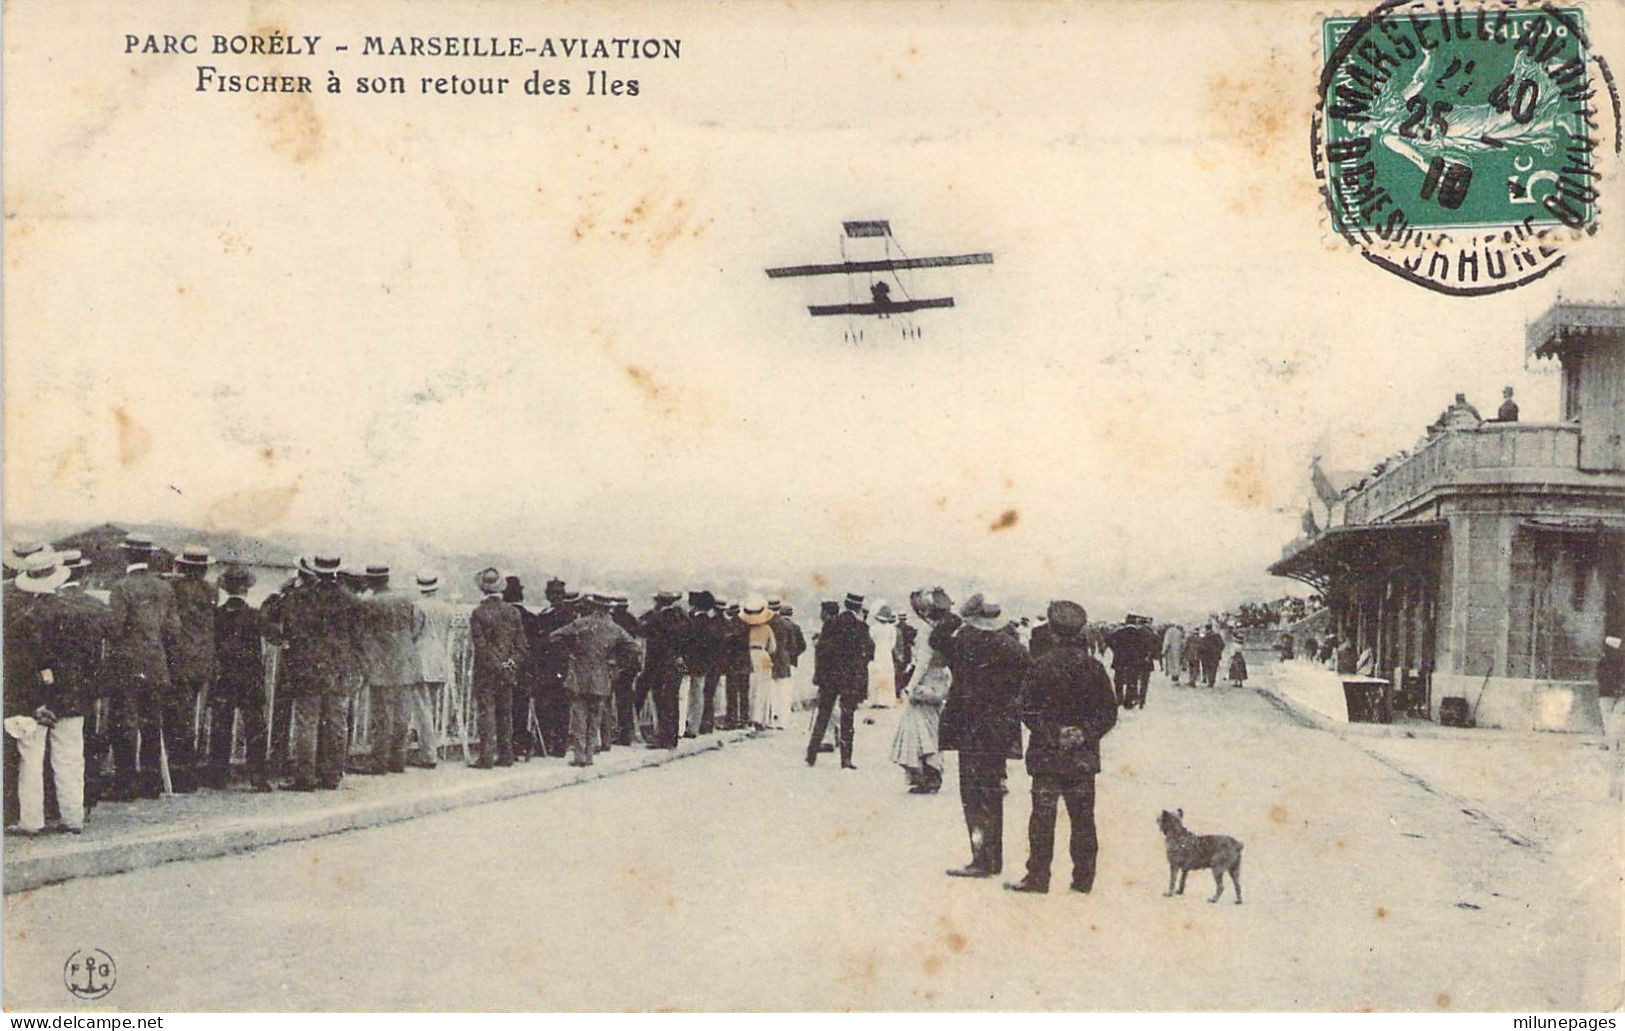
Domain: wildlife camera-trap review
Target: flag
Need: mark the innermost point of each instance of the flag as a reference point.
(1328, 494)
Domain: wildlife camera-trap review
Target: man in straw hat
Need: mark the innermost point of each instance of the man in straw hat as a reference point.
(321, 623)
(980, 721)
(393, 668)
(44, 709)
(145, 710)
(498, 635)
(665, 628)
(239, 686)
(191, 661)
(843, 653)
(1068, 705)
(82, 629)
(597, 648)
(433, 642)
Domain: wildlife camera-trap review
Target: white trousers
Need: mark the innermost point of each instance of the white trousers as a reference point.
(67, 743)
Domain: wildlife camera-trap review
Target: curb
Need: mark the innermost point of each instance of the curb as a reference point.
(1309, 716)
(1316, 720)
(100, 859)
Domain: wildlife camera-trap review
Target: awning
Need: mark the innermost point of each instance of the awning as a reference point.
(1354, 550)
(1574, 526)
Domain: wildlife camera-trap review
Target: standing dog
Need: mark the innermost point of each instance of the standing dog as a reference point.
(1187, 852)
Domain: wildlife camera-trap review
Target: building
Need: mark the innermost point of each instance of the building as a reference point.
(1489, 563)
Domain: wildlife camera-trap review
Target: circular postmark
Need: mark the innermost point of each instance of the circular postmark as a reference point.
(89, 973)
(1460, 145)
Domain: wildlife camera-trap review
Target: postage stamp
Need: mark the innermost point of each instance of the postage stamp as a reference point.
(1461, 147)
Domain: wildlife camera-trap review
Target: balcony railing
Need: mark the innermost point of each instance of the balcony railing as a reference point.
(1456, 456)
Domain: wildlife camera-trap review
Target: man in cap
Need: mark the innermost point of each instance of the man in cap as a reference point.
(498, 636)
(788, 645)
(981, 721)
(552, 664)
(665, 628)
(433, 640)
(597, 648)
(239, 686)
(1068, 706)
(736, 668)
(393, 667)
(144, 627)
(627, 667)
(322, 624)
(843, 653)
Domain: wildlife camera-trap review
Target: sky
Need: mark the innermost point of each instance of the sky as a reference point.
(541, 325)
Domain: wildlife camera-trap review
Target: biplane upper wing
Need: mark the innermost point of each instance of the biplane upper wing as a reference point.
(889, 308)
(880, 265)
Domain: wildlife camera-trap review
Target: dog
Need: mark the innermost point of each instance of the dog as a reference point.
(1187, 852)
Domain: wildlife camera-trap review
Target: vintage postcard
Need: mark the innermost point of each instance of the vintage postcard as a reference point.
(833, 505)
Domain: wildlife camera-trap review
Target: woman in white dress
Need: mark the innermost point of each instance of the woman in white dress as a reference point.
(882, 674)
(757, 616)
(915, 747)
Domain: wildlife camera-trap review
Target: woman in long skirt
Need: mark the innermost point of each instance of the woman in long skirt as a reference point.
(915, 747)
(757, 616)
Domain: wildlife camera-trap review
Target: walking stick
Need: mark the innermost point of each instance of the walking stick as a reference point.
(163, 759)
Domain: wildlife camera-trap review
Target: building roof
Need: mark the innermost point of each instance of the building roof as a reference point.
(1567, 326)
(1355, 549)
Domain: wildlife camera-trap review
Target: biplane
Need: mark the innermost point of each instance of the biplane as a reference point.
(881, 304)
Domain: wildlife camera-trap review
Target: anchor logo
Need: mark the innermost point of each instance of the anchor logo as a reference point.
(90, 973)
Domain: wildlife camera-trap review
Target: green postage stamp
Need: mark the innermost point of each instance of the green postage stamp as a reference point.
(1461, 146)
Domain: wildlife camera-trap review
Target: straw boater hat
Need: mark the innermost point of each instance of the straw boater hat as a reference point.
(378, 570)
(16, 556)
(321, 565)
(755, 611)
(489, 580)
(665, 596)
(854, 602)
(72, 558)
(42, 573)
(137, 542)
(989, 615)
(428, 581)
(194, 555)
(775, 602)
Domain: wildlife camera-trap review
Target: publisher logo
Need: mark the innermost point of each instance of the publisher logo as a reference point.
(90, 974)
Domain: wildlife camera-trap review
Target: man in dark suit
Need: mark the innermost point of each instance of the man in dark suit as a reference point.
(842, 656)
(551, 661)
(321, 625)
(664, 629)
(239, 686)
(530, 674)
(497, 634)
(1133, 654)
(1068, 705)
(981, 721)
(144, 627)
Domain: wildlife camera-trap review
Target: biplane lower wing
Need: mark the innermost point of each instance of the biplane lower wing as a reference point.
(889, 308)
